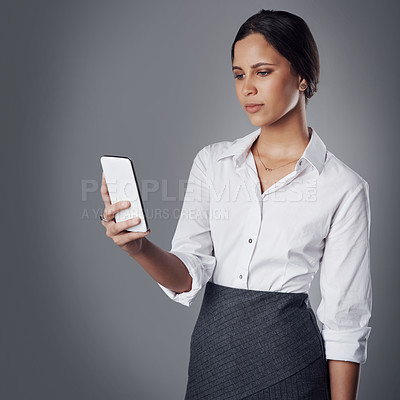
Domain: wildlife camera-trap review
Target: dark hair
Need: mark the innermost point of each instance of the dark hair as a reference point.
(290, 36)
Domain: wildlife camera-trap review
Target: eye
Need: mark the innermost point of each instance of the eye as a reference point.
(263, 73)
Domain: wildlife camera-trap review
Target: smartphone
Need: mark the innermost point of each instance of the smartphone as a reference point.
(122, 184)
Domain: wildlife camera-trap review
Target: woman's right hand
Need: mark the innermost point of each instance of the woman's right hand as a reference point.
(131, 242)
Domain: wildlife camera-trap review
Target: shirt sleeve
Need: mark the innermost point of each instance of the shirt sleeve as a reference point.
(345, 279)
(192, 241)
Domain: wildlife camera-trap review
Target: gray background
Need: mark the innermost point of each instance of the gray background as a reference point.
(151, 80)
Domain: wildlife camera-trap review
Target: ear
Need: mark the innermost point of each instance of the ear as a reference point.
(302, 84)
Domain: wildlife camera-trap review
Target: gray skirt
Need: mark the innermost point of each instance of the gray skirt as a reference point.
(251, 344)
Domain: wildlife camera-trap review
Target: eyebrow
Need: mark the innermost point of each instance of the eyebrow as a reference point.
(253, 66)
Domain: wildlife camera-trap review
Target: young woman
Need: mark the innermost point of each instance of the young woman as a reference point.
(261, 215)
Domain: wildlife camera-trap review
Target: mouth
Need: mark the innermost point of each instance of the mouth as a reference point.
(253, 107)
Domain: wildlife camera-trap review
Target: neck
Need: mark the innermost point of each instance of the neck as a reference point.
(280, 141)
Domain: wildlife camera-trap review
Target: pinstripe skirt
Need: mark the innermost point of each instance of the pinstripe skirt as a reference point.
(251, 344)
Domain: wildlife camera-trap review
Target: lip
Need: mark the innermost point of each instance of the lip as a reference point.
(253, 107)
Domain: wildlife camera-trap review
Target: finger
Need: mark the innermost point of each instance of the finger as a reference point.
(107, 223)
(124, 238)
(117, 207)
(123, 225)
(104, 191)
(111, 210)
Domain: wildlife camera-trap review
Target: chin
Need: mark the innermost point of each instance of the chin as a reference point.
(258, 120)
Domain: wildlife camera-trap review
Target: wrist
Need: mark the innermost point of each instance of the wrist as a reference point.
(136, 248)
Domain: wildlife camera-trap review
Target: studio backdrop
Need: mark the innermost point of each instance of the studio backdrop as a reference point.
(152, 81)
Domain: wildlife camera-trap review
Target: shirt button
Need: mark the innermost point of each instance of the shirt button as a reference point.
(250, 240)
(240, 276)
(300, 162)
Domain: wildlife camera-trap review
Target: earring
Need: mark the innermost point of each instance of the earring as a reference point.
(303, 86)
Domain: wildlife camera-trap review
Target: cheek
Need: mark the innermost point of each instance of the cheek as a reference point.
(280, 91)
(278, 86)
(289, 88)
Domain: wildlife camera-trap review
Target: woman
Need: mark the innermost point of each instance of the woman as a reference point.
(261, 215)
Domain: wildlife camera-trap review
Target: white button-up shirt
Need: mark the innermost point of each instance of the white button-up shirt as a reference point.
(317, 216)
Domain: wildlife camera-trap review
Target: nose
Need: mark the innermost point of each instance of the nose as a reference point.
(248, 87)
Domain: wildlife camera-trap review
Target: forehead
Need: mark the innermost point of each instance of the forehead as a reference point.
(253, 48)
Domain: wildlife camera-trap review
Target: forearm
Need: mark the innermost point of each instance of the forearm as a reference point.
(344, 378)
(163, 266)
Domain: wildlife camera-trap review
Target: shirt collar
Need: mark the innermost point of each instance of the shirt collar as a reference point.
(314, 153)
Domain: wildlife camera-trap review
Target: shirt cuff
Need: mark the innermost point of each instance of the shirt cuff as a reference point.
(346, 345)
(193, 266)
